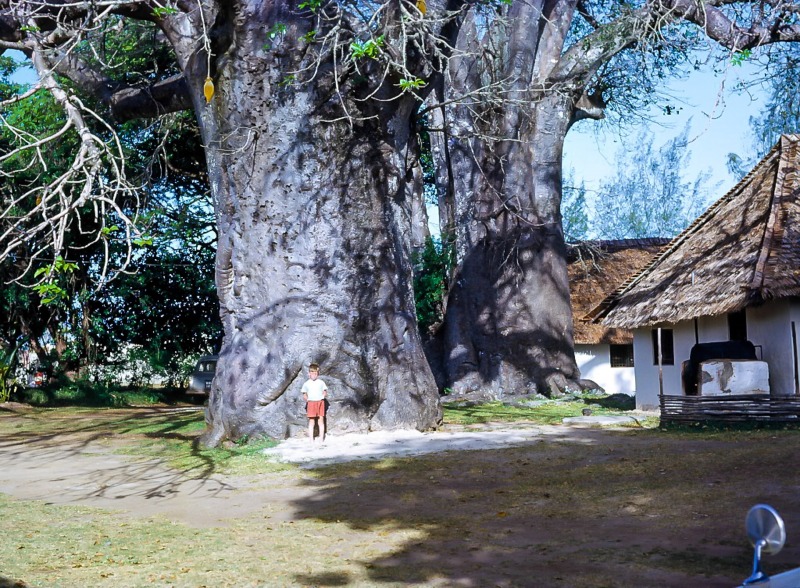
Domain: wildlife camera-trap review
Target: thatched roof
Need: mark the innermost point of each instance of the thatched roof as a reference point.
(596, 268)
(743, 250)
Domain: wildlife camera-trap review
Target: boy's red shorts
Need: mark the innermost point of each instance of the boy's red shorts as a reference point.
(315, 408)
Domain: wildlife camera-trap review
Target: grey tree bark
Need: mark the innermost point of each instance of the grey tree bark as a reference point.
(315, 231)
(509, 323)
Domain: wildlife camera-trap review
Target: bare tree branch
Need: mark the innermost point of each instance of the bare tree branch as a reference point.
(719, 27)
(96, 177)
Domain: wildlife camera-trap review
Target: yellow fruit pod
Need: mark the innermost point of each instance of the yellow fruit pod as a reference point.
(422, 7)
(208, 89)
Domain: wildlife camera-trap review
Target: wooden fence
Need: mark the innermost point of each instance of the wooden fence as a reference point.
(743, 407)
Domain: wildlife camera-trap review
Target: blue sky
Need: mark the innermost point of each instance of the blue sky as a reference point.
(719, 124)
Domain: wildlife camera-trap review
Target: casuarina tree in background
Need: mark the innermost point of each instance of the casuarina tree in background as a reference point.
(781, 113)
(648, 196)
(574, 210)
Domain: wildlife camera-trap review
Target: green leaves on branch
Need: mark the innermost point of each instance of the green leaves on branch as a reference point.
(312, 5)
(60, 266)
(738, 58)
(49, 291)
(277, 32)
(370, 48)
(162, 11)
(409, 85)
(143, 241)
(140, 241)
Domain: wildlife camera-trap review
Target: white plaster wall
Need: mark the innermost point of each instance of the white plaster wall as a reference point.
(770, 326)
(647, 380)
(711, 329)
(594, 361)
(683, 335)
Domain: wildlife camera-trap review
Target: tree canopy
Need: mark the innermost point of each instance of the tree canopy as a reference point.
(165, 300)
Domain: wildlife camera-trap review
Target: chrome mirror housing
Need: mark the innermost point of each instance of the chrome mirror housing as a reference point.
(767, 534)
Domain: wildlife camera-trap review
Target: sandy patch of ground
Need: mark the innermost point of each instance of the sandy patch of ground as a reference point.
(81, 468)
(382, 444)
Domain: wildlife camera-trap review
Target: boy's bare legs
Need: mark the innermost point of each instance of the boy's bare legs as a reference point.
(311, 428)
(322, 429)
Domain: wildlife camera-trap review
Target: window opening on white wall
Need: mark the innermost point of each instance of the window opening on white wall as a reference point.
(737, 326)
(622, 355)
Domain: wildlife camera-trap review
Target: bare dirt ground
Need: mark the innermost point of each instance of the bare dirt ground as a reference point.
(538, 505)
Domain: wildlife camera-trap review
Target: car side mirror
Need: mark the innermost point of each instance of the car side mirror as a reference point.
(767, 534)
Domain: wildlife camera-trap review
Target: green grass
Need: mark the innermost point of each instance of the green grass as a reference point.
(237, 460)
(171, 437)
(85, 393)
(57, 546)
(174, 439)
(548, 412)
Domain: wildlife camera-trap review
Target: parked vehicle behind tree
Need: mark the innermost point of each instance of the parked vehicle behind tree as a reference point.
(201, 378)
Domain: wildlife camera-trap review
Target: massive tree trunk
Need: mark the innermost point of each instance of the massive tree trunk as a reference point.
(314, 237)
(508, 322)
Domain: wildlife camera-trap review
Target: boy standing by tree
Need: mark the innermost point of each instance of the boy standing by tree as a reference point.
(314, 393)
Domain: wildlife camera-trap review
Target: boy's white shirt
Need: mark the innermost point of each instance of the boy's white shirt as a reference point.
(314, 389)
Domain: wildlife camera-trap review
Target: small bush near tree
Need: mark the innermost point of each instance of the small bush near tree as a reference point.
(7, 384)
(83, 392)
(432, 265)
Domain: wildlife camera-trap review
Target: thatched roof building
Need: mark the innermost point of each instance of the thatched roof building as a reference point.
(595, 269)
(745, 249)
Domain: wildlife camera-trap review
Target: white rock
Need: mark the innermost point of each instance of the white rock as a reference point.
(721, 377)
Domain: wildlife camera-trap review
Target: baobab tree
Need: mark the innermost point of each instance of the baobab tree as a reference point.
(307, 115)
(508, 324)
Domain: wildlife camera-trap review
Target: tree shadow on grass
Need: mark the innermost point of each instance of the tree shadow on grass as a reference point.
(33, 449)
(614, 402)
(9, 583)
(323, 579)
(561, 514)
